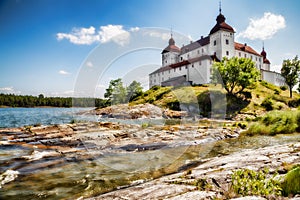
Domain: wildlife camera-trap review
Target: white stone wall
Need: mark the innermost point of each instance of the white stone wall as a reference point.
(199, 72)
(273, 77)
(169, 58)
(215, 45)
(227, 43)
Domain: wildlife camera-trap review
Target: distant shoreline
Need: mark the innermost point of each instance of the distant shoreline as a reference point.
(44, 107)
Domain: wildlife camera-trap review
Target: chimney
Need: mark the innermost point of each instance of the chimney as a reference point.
(201, 36)
(245, 44)
(191, 42)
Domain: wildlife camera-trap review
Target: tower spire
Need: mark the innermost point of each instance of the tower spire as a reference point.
(220, 7)
(171, 32)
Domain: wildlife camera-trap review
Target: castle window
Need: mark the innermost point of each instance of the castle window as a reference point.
(192, 65)
(174, 69)
(186, 67)
(199, 62)
(188, 55)
(215, 42)
(162, 79)
(239, 54)
(180, 68)
(245, 55)
(181, 58)
(202, 50)
(198, 51)
(162, 73)
(169, 71)
(227, 41)
(255, 58)
(166, 61)
(251, 57)
(227, 53)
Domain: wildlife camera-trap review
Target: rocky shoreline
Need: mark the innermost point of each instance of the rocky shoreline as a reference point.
(52, 146)
(216, 172)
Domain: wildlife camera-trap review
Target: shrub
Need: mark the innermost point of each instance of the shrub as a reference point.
(276, 122)
(242, 125)
(267, 104)
(276, 91)
(283, 87)
(248, 182)
(291, 183)
(294, 103)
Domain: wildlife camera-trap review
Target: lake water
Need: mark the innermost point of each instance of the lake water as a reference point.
(18, 117)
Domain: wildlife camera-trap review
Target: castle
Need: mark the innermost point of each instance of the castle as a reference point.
(191, 64)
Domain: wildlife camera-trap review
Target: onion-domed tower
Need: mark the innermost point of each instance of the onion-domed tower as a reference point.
(170, 53)
(266, 62)
(222, 38)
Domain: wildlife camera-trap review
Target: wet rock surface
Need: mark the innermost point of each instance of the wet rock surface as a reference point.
(38, 149)
(215, 171)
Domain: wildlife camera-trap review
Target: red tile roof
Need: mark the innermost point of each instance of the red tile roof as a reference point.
(221, 25)
(171, 48)
(185, 62)
(245, 48)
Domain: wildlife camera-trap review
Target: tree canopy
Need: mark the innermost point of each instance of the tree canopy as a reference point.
(116, 93)
(236, 74)
(290, 71)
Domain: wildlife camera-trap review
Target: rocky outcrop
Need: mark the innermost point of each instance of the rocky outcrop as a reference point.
(125, 111)
(216, 172)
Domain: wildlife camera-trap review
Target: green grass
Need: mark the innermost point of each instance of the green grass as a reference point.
(291, 183)
(248, 182)
(264, 97)
(276, 122)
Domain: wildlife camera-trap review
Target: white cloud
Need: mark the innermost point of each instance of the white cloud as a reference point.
(87, 36)
(9, 90)
(89, 64)
(80, 35)
(63, 72)
(133, 29)
(163, 36)
(115, 33)
(263, 28)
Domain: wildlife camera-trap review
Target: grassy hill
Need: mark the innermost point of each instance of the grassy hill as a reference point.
(264, 97)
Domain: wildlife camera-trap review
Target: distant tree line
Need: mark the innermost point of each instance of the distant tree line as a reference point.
(13, 100)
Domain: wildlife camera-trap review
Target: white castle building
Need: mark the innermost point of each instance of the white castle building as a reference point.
(191, 64)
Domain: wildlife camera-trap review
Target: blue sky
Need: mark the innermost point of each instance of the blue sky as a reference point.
(45, 44)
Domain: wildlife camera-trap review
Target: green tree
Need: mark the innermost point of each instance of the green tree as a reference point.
(134, 90)
(236, 74)
(290, 71)
(116, 92)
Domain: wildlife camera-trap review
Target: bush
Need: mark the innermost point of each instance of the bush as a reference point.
(294, 103)
(283, 87)
(248, 182)
(267, 104)
(276, 91)
(291, 183)
(276, 122)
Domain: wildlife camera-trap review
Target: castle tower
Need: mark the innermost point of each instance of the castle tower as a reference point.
(222, 38)
(170, 53)
(266, 62)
